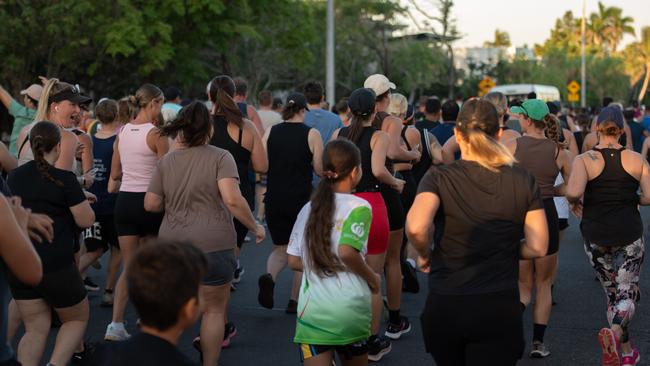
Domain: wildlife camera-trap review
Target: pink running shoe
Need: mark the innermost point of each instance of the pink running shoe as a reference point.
(609, 345)
(633, 359)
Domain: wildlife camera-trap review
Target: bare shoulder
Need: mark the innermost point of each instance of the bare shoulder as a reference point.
(249, 126)
(412, 132)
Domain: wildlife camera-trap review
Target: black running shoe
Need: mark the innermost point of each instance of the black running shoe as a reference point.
(266, 285)
(395, 331)
(410, 280)
(239, 271)
(378, 347)
(292, 307)
(90, 285)
(81, 358)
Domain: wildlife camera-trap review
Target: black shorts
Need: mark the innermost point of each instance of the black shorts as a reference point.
(410, 189)
(131, 219)
(553, 226)
(394, 207)
(485, 329)
(101, 235)
(280, 218)
(60, 289)
(347, 352)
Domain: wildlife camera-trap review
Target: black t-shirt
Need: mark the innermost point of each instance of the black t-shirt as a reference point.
(140, 350)
(44, 196)
(478, 227)
(426, 125)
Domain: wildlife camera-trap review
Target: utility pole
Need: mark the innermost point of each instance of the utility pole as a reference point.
(583, 63)
(330, 86)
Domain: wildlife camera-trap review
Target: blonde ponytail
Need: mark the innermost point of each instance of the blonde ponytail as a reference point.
(43, 109)
(488, 152)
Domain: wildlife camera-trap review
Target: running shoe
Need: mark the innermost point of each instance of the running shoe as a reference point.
(609, 344)
(230, 331)
(631, 360)
(395, 331)
(107, 299)
(410, 280)
(80, 358)
(266, 285)
(116, 333)
(247, 239)
(90, 285)
(539, 350)
(239, 271)
(233, 287)
(378, 347)
(292, 307)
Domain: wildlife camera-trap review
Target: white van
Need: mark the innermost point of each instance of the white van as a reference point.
(546, 93)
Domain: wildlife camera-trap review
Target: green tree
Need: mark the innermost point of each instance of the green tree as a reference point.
(608, 26)
(501, 39)
(637, 62)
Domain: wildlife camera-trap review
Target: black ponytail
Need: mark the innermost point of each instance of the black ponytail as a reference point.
(194, 124)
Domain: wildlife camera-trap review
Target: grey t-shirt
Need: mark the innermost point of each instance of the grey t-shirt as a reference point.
(194, 211)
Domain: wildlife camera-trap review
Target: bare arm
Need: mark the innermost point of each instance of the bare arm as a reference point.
(153, 202)
(87, 161)
(356, 264)
(536, 234)
(7, 161)
(564, 163)
(628, 137)
(15, 248)
(255, 118)
(69, 143)
(644, 149)
(449, 150)
(238, 207)
(644, 182)
(295, 263)
(573, 145)
(116, 164)
(419, 225)
(378, 160)
(258, 152)
(160, 143)
(577, 182)
(5, 97)
(316, 146)
(83, 214)
(395, 149)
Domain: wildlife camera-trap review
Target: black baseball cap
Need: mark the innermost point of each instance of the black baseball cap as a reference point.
(71, 93)
(362, 102)
(613, 114)
(297, 99)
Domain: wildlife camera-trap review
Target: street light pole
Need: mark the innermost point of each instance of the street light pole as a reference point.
(330, 95)
(583, 63)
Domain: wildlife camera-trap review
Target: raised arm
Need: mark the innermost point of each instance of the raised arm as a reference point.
(5, 97)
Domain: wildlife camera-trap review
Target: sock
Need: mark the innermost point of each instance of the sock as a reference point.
(117, 325)
(538, 332)
(393, 317)
(523, 307)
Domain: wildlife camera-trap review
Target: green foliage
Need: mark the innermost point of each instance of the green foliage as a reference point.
(501, 39)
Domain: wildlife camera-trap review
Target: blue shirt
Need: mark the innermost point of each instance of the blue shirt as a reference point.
(646, 122)
(326, 123)
(444, 131)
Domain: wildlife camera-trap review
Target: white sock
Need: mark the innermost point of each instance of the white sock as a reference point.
(119, 326)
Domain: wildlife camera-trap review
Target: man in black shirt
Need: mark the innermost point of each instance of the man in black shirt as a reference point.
(431, 115)
(163, 282)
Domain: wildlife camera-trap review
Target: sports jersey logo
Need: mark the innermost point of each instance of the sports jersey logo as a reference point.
(358, 229)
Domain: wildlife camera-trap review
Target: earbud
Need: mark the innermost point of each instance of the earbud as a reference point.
(56, 108)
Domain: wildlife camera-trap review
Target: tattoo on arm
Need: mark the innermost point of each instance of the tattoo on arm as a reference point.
(592, 156)
(610, 146)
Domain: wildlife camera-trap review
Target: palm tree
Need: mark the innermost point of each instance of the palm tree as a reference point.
(608, 26)
(637, 57)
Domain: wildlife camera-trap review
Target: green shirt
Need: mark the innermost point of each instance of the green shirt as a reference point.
(22, 117)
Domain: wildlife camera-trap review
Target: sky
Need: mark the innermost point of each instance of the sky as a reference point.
(527, 21)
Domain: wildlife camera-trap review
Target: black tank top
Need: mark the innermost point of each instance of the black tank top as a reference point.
(378, 123)
(408, 146)
(369, 182)
(290, 163)
(421, 167)
(221, 139)
(610, 215)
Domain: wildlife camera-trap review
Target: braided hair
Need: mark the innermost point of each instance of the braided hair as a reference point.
(44, 137)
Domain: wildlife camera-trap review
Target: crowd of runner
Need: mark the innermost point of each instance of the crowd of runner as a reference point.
(476, 193)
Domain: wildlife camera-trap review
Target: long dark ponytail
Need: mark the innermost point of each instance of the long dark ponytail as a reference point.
(339, 159)
(44, 137)
(221, 91)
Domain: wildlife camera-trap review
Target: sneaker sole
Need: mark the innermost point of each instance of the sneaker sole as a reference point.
(238, 279)
(228, 340)
(608, 345)
(265, 296)
(396, 336)
(538, 354)
(114, 338)
(380, 355)
(93, 289)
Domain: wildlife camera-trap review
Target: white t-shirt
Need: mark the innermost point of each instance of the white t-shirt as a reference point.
(561, 203)
(334, 310)
(269, 118)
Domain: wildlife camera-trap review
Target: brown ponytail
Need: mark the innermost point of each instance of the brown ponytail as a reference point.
(553, 130)
(609, 128)
(143, 96)
(339, 159)
(221, 91)
(44, 137)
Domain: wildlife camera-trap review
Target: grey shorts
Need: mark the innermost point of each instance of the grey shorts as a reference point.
(221, 267)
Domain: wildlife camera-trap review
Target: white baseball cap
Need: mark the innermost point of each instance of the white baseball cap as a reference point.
(34, 91)
(379, 84)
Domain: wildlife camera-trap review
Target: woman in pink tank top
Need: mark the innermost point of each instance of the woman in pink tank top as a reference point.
(139, 147)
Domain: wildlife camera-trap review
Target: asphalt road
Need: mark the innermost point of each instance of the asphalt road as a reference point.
(265, 336)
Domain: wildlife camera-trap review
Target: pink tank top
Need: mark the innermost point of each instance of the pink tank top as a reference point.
(137, 159)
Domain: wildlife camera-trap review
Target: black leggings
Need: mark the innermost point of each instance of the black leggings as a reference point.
(464, 330)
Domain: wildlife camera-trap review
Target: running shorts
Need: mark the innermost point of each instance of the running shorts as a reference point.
(280, 218)
(60, 289)
(347, 352)
(393, 207)
(553, 226)
(101, 235)
(131, 219)
(221, 267)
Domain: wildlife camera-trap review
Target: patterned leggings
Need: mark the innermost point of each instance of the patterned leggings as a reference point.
(618, 269)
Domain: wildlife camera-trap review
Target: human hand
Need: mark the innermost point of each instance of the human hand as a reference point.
(398, 185)
(260, 233)
(375, 283)
(90, 197)
(424, 263)
(20, 213)
(40, 228)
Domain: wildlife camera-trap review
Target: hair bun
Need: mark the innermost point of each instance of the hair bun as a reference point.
(133, 99)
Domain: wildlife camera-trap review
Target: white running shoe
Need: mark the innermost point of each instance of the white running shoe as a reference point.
(116, 332)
